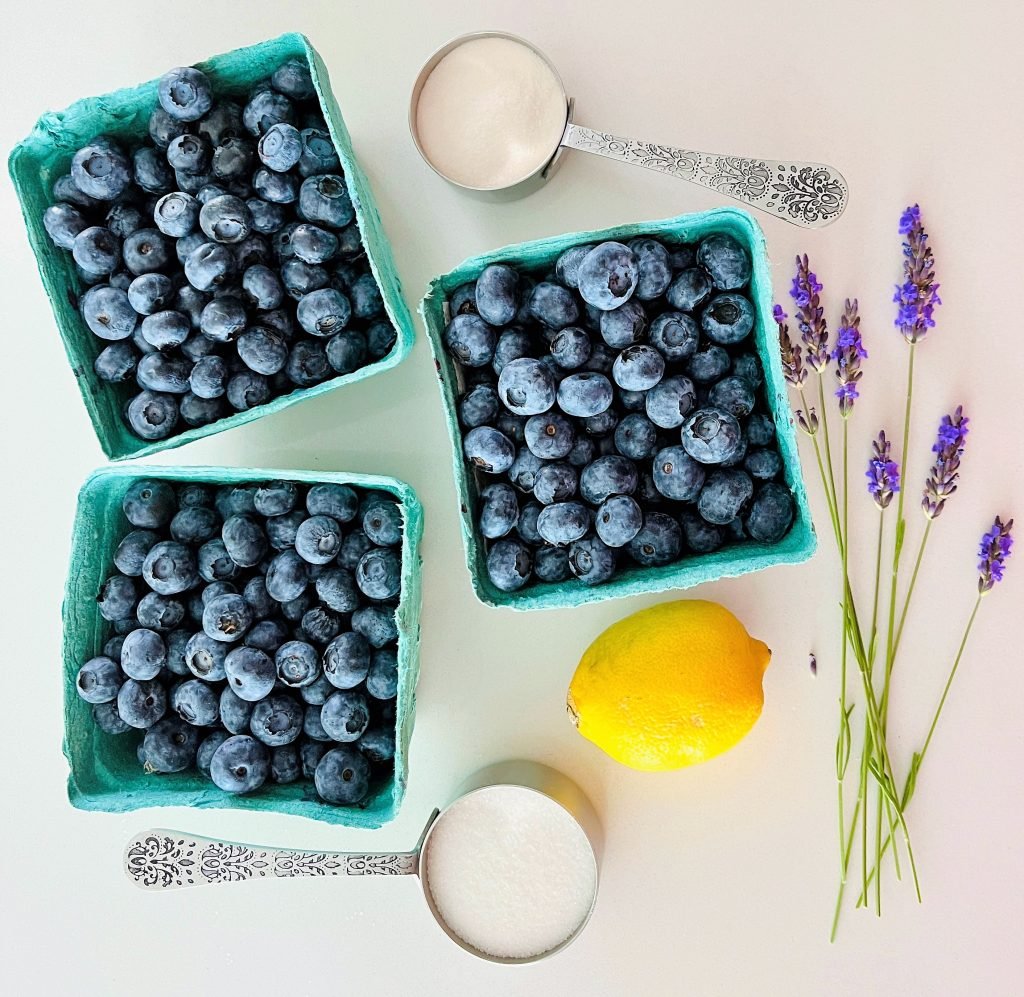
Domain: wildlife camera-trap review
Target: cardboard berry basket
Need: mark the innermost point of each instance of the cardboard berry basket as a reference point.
(538, 258)
(105, 773)
(46, 155)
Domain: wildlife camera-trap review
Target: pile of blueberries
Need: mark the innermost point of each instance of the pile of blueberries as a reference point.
(254, 634)
(614, 411)
(223, 261)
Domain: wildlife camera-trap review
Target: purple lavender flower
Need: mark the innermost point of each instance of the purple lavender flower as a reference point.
(948, 448)
(994, 550)
(810, 316)
(848, 353)
(918, 295)
(883, 472)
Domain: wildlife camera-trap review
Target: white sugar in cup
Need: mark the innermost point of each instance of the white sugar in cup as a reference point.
(509, 873)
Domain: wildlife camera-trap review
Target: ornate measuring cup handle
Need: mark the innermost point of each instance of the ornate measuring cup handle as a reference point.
(810, 195)
(171, 860)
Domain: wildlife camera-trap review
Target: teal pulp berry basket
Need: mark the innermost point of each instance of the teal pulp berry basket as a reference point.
(538, 258)
(104, 771)
(46, 155)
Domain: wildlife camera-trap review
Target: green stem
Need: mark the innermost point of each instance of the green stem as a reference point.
(828, 445)
(829, 493)
(863, 791)
(878, 579)
(846, 867)
(910, 589)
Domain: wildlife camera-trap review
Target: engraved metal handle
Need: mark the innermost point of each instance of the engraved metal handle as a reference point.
(159, 859)
(810, 195)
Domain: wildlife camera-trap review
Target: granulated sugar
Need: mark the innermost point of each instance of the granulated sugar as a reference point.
(490, 113)
(510, 872)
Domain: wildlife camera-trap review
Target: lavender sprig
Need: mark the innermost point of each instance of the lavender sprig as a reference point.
(994, 551)
(794, 370)
(848, 353)
(949, 448)
(810, 317)
(883, 472)
(918, 295)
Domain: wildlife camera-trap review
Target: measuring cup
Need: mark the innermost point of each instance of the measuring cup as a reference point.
(161, 860)
(810, 195)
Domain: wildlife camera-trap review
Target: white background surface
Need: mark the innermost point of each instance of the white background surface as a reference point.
(717, 880)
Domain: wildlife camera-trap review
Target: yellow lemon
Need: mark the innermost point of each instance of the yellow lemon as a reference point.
(669, 686)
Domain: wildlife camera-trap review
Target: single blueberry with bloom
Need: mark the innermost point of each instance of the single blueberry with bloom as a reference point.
(994, 551)
(883, 472)
(810, 316)
(948, 448)
(848, 353)
(918, 295)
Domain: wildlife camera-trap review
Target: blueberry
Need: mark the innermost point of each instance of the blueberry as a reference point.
(563, 522)
(335, 500)
(379, 574)
(214, 562)
(63, 222)
(343, 776)
(524, 470)
(607, 476)
(223, 319)
(378, 744)
(101, 170)
(188, 300)
(382, 678)
(170, 568)
(151, 171)
(267, 218)
(463, 300)
(240, 765)
(262, 287)
(117, 598)
(293, 79)
(683, 257)
(701, 536)
(165, 330)
(277, 720)
(567, 266)
(526, 387)
(725, 495)
(65, 189)
(159, 612)
(128, 559)
(188, 154)
(287, 576)
(250, 672)
(636, 436)
(324, 199)
(345, 715)
(748, 367)
(489, 450)
(235, 712)
(513, 426)
(551, 304)
(267, 635)
(226, 219)
(206, 749)
(185, 93)
(236, 500)
(319, 624)
(708, 364)
(99, 680)
(97, 250)
(497, 294)
(617, 520)
(499, 511)
(192, 183)
(711, 436)
(227, 617)
(381, 337)
(734, 395)
(383, 524)
(470, 340)
(310, 753)
(177, 643)
(347, 352)
(265, 109)
(513, 344)
(148, 293)
(232, 161)
(262, 350)
(677, 475)
(141, 704)
(318, 539)
(204, 657)
(654, 267)
(479, 406)
(247, 390)
(725, 260)
(367, 302)
(571, 347)
(760, 430)
(624, 326)
(551, 564)
(312, 244)
(223, 122)
(311, 723)
(555, 482)
(297, 663)
(550, 436)
(170, 745)
(324, 312)
(608, 275)
(244, 540)
(509, 564)
(151, 415)
(196, 702)
(145, 251)
(727, 319)
(591, 561)
(209, 377)
(675, 335)
(108, 720)
(658, 542)
(376, 623)
(215, 589)
(689, 290)
(122, 219)
(280, 147)
(771, 513)
(116, 363)
(583, 452)
(307, 364)
(638, 368)
(209, 266)
(584, 395)
(285, 765)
